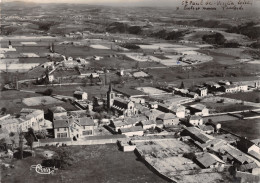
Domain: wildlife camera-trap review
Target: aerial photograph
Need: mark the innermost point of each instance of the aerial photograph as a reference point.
(130, 91)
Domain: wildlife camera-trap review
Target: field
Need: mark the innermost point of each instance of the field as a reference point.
(12, 101)
(44, 100)
(93, 164)
(248, 128)
(249, 97)
(151, 90)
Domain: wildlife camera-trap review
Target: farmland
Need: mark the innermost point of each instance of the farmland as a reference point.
(247, 128)
(253, 96)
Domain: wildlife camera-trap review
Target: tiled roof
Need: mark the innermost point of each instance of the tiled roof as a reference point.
(60, 124)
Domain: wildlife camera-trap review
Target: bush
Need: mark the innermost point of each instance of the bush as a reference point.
(48, 92)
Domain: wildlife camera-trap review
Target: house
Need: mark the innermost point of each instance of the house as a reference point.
(138, 100)
(33, 117)
(159, 123)
(229, 88)
(61, 128)
(199, 110)
(242, 88)
(206, 128)
(153, 105)
(87, 126)
(51, 78)
(168, 119)
(250, 167)
(195, 120)
(212, 86)
(209, 160)
(249, 147)
(132, 131)
(56, 112)
(179, 111)
(193, 95)
(80, 95)
(202, 91)
(148, 124)
(224, 82)
(118, 124)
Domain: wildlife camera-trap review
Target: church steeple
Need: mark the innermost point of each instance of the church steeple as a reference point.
(110, 97)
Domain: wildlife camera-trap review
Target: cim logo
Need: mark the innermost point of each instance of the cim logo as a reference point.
(43, 170)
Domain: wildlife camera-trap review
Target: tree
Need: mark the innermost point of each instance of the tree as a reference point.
(3, 110)
(30, 140)
(65, 156)
(182, 85)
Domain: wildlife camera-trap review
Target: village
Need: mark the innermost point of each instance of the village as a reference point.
(121, 103)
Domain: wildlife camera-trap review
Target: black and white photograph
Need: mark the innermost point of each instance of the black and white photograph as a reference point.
(129, 91)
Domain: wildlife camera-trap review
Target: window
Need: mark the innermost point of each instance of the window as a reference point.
(87, 132)
(58, 129)
(61, 135)
(65, 129)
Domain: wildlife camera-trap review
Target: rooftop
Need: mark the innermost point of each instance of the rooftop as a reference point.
(60, 124)
(57, 109)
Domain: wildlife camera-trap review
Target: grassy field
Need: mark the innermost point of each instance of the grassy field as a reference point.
(12, 101)
(93, 164)
(250, 96)
(247, 128)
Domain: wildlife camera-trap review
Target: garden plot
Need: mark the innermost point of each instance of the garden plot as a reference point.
(99, 46)
(31, 55)
(151, 91)
(44, 100)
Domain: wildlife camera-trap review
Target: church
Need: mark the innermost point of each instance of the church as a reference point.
(120, 105)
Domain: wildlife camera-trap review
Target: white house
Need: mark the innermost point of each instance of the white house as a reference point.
(196, 120)
(80, 95)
